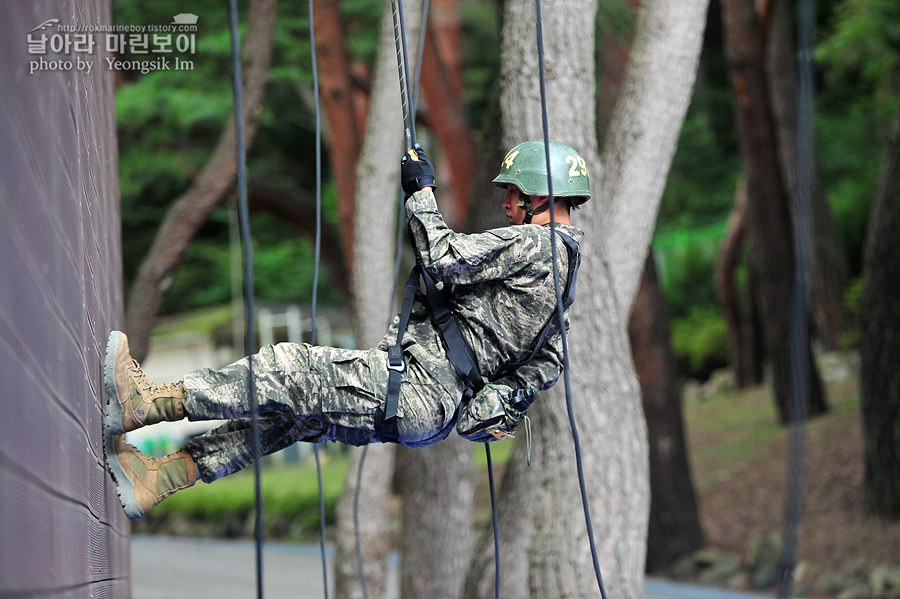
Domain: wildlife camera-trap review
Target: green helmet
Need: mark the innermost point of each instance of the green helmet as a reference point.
(526, 167)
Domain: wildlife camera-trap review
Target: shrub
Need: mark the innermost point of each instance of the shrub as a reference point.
(700, 342)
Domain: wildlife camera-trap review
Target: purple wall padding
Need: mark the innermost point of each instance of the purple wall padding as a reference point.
(62, 532)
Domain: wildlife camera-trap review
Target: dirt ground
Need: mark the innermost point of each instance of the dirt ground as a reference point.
(835, 533)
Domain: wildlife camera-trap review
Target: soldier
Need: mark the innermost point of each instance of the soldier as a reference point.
(500, 285)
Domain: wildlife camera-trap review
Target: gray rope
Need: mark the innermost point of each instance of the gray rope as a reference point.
(247, 252)
(559, 309)
(315, 286)
(799, 342)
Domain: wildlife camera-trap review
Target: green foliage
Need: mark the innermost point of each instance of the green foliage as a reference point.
(686, 260)
(701, 186)
(481, 52)
(851, 144)
(290, 496)
(169, 122)
(852, 297)
(282, 269)
(700, 342)
(860, 60)
(863, 48)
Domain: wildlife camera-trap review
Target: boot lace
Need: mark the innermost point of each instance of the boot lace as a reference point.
(145, 383)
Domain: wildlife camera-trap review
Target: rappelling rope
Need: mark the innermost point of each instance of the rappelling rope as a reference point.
(410, 130)
(409, 117)
(247, 253)
(802, 235)
(313, 332)
(559, 307)
(401, 212)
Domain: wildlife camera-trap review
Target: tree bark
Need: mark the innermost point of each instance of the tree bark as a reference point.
(611, 74)
(674, 529)
(337, 93)
(545, 546)
(647, 120)
(880, 342)
(190, 211)
(377, 190)
(771, 257)
(438, 486)
(743, 353)
(830, 272)
(442, 88)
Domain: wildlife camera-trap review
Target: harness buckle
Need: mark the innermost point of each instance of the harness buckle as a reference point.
(395, 359)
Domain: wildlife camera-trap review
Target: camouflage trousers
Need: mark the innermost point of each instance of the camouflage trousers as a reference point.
(306, 393)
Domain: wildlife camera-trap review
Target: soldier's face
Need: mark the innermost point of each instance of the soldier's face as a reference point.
(515, 214)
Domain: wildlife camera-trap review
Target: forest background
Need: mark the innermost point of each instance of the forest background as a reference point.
(177, 117)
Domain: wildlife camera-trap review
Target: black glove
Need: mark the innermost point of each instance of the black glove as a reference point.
(522, 398)
(416, 172)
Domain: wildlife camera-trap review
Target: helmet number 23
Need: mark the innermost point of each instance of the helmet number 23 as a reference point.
(577, 166)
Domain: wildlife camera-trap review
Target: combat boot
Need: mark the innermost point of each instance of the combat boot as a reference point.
(134, 400)
(142, 481)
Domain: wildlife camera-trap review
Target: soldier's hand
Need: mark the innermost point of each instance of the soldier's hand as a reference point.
(416, 171)
(522, 398)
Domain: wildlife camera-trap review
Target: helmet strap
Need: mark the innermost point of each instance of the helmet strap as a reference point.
(525, 204)
(530, 210)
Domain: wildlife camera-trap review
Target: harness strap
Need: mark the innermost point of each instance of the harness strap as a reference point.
(459, 353)
(552, 324)
(386, 417)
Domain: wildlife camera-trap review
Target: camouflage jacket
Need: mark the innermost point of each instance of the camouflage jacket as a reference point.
(502, 292)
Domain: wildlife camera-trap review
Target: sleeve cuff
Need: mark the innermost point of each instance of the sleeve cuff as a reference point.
(421, 201)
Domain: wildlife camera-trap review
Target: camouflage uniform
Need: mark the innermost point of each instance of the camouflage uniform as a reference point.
(502, 290)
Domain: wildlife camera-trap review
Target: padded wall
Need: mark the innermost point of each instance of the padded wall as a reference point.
(62, 532)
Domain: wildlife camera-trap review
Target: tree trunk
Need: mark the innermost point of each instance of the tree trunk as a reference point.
(647, 121)
(830, 273)
(674, 528)
(674, 521)
(880, 343)
(545, 546)
(442, 88)
(336, 90)
(771, 257)
(740, 322)
(377, 191)
(190, 211)
(438, 485)
(611, 73)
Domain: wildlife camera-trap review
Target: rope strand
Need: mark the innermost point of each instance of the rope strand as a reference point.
(799, 343)
(247, 253)
(559, 309)
(313, 334)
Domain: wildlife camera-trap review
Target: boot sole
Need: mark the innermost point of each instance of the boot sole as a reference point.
(112, 422)
(124, 485)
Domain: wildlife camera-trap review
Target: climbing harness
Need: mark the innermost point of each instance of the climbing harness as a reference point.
(249, 310)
